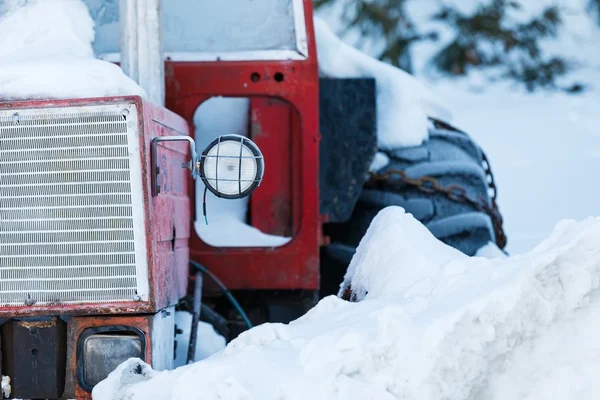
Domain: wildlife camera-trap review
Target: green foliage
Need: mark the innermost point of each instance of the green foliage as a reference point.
(486, 39)
(385, 18)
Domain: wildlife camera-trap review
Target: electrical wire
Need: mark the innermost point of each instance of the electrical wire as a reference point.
(204, 205)
(226, 291)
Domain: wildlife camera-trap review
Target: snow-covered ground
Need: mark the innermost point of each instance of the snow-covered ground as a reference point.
(432, 323)
(545, 153)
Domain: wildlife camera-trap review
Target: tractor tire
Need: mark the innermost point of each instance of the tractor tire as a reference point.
(449, 156)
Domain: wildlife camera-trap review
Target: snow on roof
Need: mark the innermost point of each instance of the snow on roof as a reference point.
(431, 324)
(46, 52)
(403, 103)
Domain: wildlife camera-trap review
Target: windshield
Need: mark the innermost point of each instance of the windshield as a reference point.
(210, 29)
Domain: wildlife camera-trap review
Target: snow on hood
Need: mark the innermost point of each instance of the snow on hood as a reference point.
(46, 52)
(403, 103)
(432, 324)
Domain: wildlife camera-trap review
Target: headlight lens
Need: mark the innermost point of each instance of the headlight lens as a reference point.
(102, 354)
(232, 166)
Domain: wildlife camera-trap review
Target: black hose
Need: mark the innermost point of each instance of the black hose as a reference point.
(226, 292)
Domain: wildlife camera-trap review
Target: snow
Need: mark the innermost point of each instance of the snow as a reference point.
(403, 103)
(490, 250)
(431, 323)
(215, 117)
(6, 388)
(379, 161)
(46, 52)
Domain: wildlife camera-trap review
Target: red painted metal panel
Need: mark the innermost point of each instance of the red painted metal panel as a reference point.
(270, 128)
(295, 265)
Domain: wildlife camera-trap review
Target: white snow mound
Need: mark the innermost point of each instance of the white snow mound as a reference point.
(46, 52)
(403, 103)
(431, 324)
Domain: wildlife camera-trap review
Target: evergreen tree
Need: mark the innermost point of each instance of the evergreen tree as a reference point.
(383, 18)
(486, 39)
(594, 7)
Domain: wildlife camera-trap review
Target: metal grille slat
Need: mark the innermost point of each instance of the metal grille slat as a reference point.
(83, 152)
(72, 260)
(67, 224)
(65, 272)
(67, 165)
(64, 213)
(63, 201)
(65, 177)
(78, 188)
(66, 236)
(62, 142)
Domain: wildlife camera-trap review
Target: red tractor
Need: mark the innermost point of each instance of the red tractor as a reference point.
(107, 206)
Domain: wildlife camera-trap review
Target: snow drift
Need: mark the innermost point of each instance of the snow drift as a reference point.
(46, 52)
(431, 323)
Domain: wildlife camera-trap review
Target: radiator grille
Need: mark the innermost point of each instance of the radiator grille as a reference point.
(71, 225)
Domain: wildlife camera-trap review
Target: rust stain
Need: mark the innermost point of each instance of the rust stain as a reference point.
(37, 324)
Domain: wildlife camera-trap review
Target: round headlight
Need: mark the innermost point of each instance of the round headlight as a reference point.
(232, 166)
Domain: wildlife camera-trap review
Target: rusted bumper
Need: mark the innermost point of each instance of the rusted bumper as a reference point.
(44, 356)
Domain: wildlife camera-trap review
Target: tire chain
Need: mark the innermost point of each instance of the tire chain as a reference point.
(457, 193)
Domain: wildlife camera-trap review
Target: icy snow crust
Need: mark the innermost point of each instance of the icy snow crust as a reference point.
(46, 52)
(431, 323)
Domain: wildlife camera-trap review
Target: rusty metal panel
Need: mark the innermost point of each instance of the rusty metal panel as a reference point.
(34, 356)
(76, 328)
(164, 222)
(168, 213)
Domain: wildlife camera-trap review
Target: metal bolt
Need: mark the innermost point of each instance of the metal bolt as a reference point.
(16, 117)
(137, 298)
(29, 302)
(125, 112)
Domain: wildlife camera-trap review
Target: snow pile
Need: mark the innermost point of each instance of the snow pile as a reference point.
(46, 52)
(215, 117)
(431, 324)
(403, 103)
